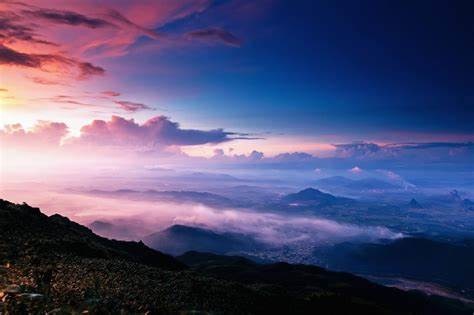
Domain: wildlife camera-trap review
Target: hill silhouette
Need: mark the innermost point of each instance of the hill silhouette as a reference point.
(51, 264)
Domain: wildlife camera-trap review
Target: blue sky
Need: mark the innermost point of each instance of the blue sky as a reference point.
(326, 67)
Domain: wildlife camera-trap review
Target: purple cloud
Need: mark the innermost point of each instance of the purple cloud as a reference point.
(215, 34)
(110, 93)
(43, 62)
(155, 132)
(66, 17)
(132, 106)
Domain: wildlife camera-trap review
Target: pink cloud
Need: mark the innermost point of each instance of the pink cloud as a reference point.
(43, 134)
(131, 106)
(49, 63)
(215, 35)
(39, 34)
(156, 132)
(111, 93)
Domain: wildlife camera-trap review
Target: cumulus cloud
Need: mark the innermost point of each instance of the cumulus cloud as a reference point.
(215, 34)
(356, 170)
(218, 153)
(220, 156)
(156, 135)
(256, 155)
(294, 157)
(44, 134)
(357, 149)
(155, 132)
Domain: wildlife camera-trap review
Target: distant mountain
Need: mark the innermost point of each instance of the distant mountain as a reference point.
(213, 176)
(415, 258)
(179, 239)
(311, 196)
(111, 230)
(413, 204)
(370, 184)
(454, 196)
(454, 199)
(468, 204)
(358, 184)
(172, 196)
(334, 181)
(53, 265)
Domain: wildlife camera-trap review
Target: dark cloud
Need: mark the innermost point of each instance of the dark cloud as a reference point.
(215, 34)
(131, 106)
(67, 17)
(87, 70)
(3, 90)
(22, 26)
(12, 57)
(433, 145)
(12, 31)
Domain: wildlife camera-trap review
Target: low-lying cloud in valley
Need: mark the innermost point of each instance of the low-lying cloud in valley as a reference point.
(138, 218)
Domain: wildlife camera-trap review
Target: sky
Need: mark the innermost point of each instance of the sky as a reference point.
(241, 81)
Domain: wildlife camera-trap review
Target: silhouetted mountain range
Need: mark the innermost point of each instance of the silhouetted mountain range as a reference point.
(363, 184)
(172, 196)
(413, 204)
(313, 197)
(414, 258)
(302, 280)
(53, 265)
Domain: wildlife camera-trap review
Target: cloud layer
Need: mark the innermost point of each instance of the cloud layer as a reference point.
(155, 133)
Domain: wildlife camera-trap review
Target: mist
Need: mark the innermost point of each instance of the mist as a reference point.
(134, 219)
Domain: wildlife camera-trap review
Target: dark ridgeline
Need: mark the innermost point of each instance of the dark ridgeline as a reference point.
(447, 264)
(178, 239)
(51, 263)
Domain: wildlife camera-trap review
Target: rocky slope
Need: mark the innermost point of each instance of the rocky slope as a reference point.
(55, 266)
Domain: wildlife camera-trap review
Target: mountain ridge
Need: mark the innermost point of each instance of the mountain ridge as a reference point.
(52, 263)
